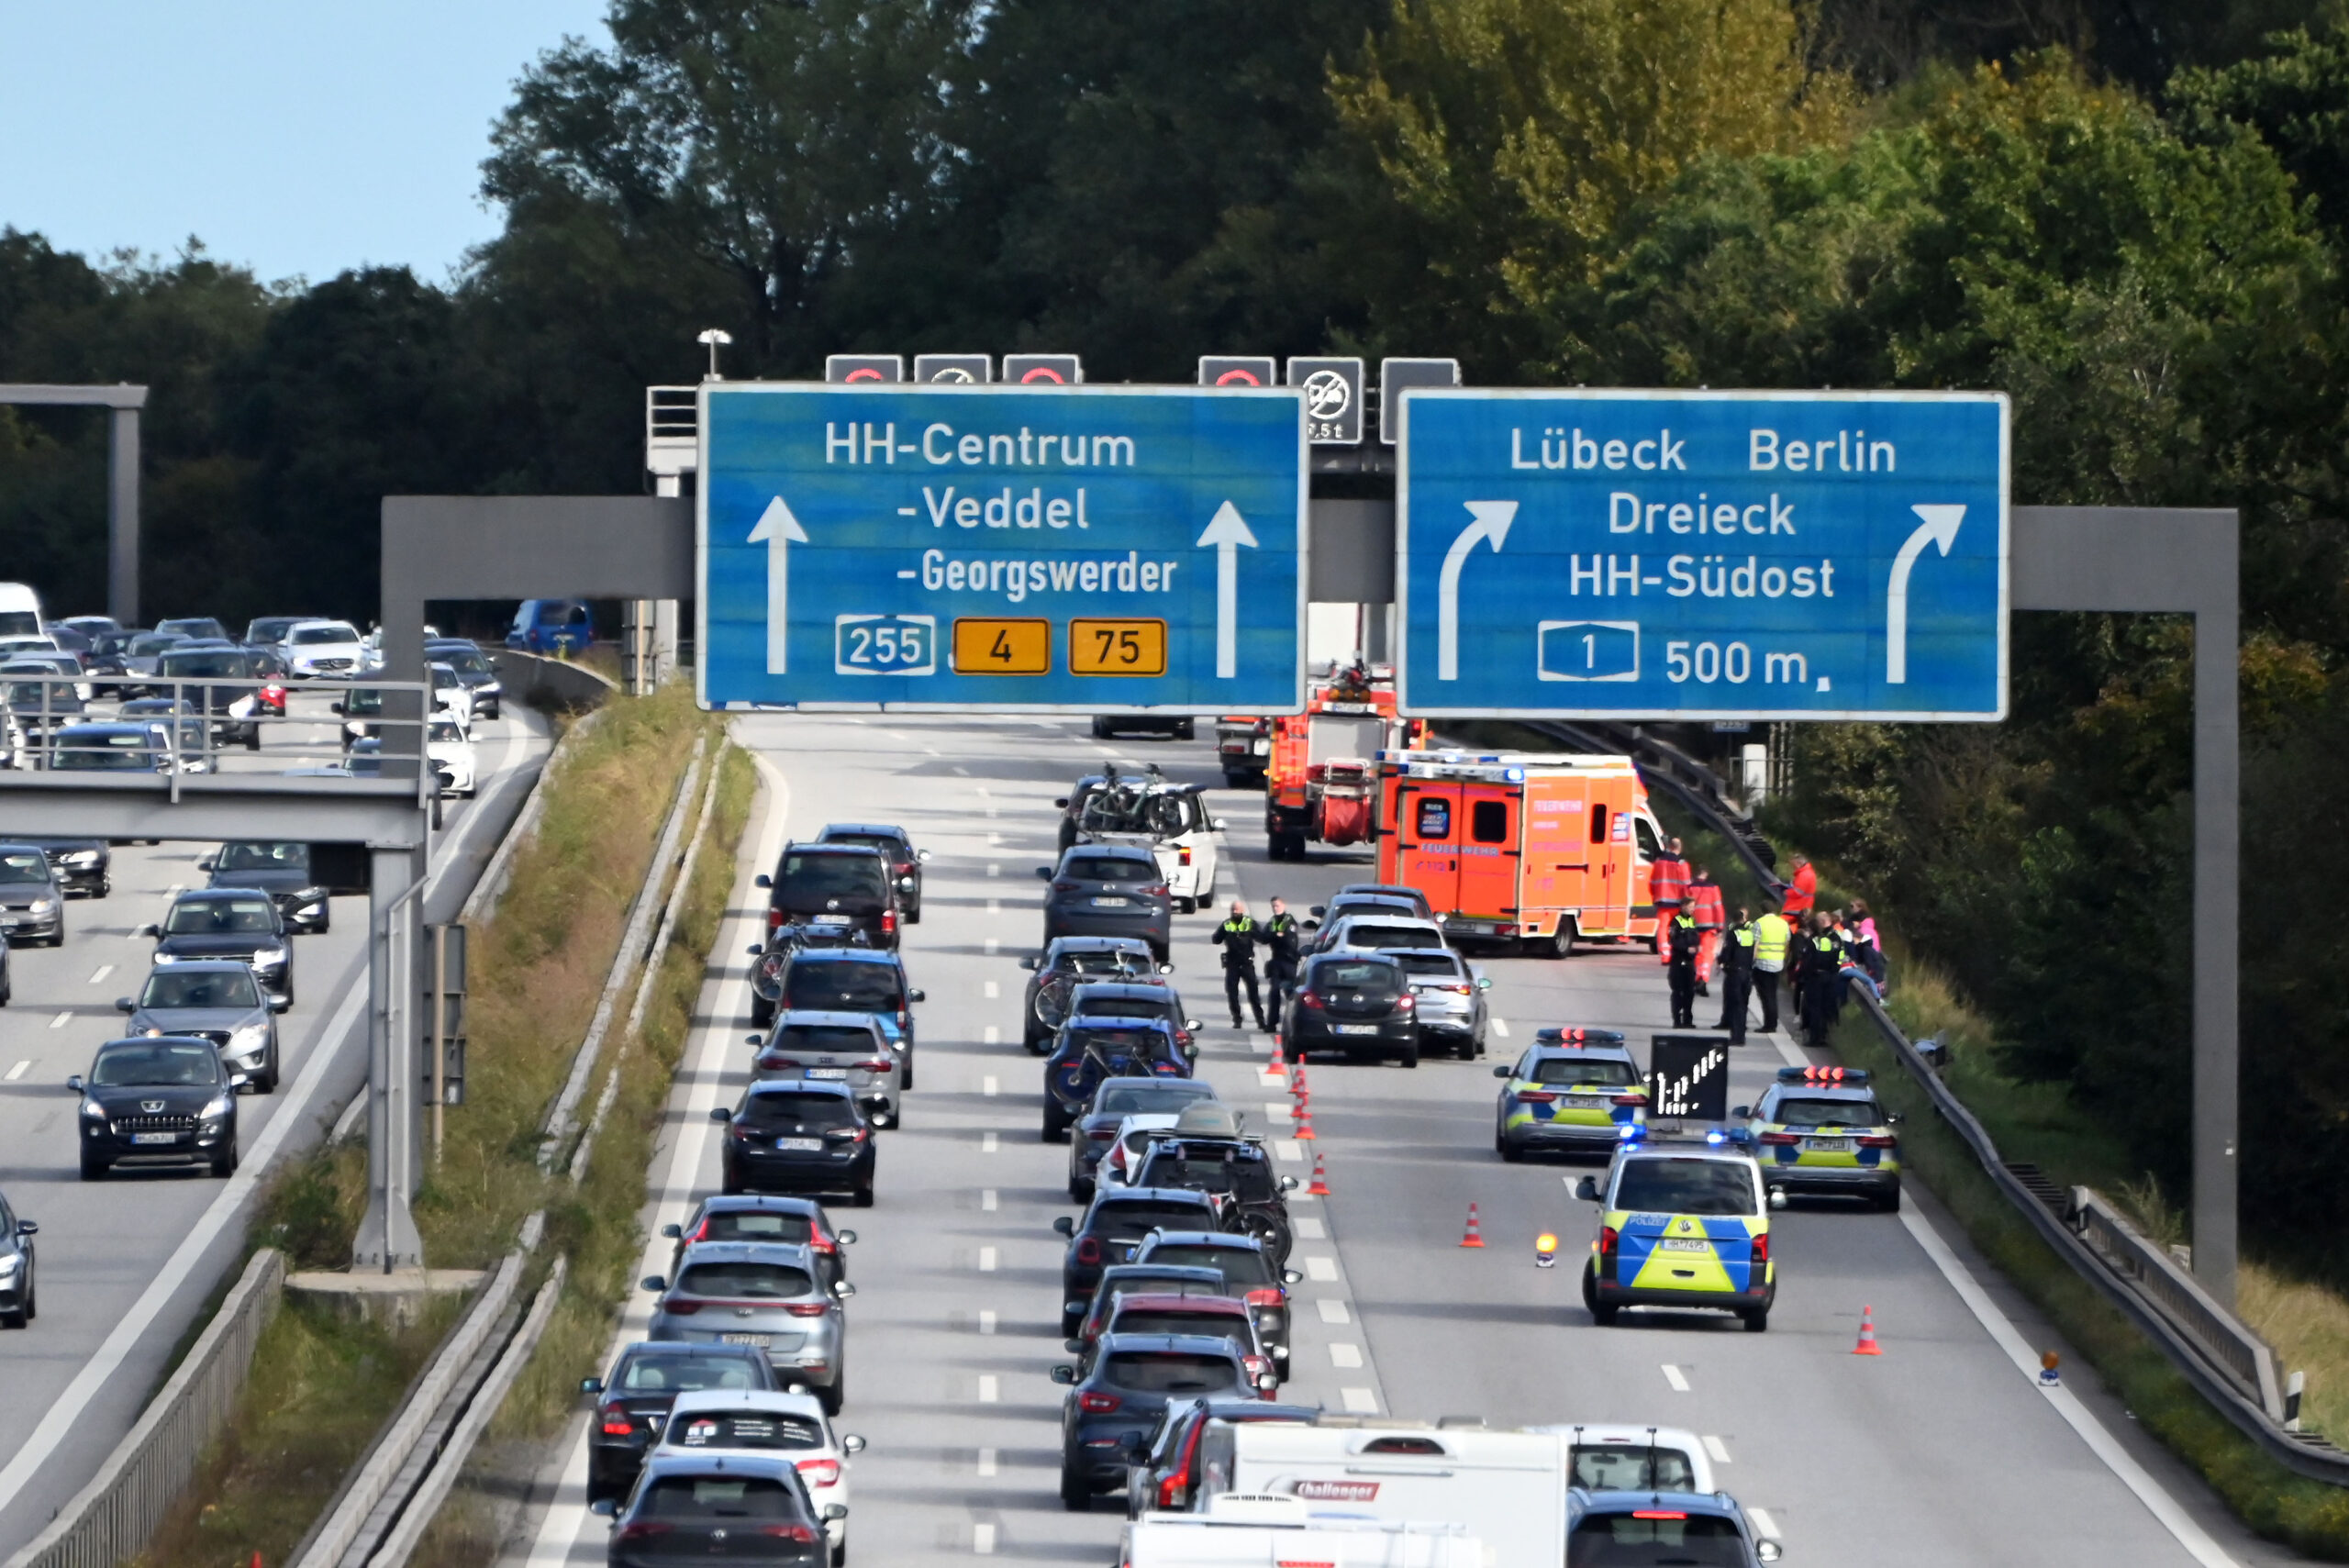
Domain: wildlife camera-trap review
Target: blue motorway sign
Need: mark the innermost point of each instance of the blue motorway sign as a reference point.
(1008, 549)
(1702, 554)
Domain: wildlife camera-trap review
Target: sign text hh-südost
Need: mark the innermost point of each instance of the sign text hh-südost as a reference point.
(1028, 547)
(1702, 554)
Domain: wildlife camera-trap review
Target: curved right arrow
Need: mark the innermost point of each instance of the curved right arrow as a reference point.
(1493, 519)
(1941, 528)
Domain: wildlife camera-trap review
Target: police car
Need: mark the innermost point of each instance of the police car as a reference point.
(1819, 1130)
(1684, 1224)
(1574, 1090)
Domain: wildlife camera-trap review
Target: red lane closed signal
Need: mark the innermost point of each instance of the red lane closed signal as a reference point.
(1042, 370)
(1238, 370)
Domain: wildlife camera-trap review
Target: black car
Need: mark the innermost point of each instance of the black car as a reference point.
(83, 866)
(145, 747)
(228, 675)
(1235, 1169)
(1108, 1416)
(840, 980)
(281, 869)
(1110, 890)
(747, 1510)
(1112, 1226)
(158, 1099)
(41, 705)
(1139, 1279)
(1107, 726)
(230, 923)
(765, 1216)
(196, 628)
(894, 845)
(1354, 1005)
(1249, 1273)
(1090, 1050)
(1067, 962)
(632, 1402)
(1167, 1478)
(792, 1135)
(849, 885)
(1114, 1099)
(19, 1303)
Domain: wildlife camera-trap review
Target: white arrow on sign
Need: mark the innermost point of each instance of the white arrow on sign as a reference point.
(1940, 529)
(1227, 532)
(1493, 519)
(778, 530)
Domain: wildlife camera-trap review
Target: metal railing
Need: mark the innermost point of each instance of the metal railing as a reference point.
(116, 1515)
(2232, 1349)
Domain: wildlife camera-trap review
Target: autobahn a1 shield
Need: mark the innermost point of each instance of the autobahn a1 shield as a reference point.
(1725, 555)
(1032, 548)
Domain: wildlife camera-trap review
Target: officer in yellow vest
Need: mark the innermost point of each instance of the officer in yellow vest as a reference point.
(1771, 935)
(1238, 938)
(1737, 975)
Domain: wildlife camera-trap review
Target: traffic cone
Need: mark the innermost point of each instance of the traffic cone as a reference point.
(1303, 1131)
(1867, 1345)
(1474, 1237)
(1277, 1068)
(1321, 1187)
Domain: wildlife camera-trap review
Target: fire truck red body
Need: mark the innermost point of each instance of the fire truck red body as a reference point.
(1322, 781)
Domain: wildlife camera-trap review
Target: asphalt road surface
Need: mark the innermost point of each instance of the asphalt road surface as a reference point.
(127, 1265)
(1943, 1451)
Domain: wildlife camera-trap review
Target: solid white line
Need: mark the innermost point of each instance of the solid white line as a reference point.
(982, 1540)
(986, 1462)
(1672, 1374)
(987, 1144)
(2004, 1334)
(1360, 1401)
(1501, 1028)
(987, 1260)
(988, 1084)
(1333, 1310)
(1763, 1525)
(17, 1071)
(990, 1388)
(61, 1019)
(1717, 1449)
(104, 969)
(1344, 1355)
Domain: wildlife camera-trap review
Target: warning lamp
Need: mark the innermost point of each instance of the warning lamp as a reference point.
(1545, 1251)
(2050, 1373)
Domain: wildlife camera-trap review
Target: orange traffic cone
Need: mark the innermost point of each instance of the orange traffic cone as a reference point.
(1303, 1131)
(1277, 1068)
(1321, 1187)
(1474, 1237)
(1867, 1345)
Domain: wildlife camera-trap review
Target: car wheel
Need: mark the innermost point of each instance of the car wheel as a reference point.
(1601, 1313)
(833, 1398)
(225, 1162)
(93, 1170)
(762, 1012)
(105, 886)
(1054, 1129)
(1410, 1056)
(1511, 1153)
(1080, 1191)
(1185, 731)
(1076, 1493)
(906, 1081)
(18, 1318)
(1187, 906)
(267, 1082)
(32, 1296)
(1757, 1321)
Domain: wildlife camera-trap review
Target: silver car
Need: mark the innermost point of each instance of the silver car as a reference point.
(764, 1294)
(1376, 931)
(217, 1001)
(1451, 993)
(845, 1048)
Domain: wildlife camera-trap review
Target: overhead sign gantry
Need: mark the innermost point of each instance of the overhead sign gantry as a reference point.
(1027, 548)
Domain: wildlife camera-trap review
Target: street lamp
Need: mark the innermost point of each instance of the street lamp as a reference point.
(714, 337)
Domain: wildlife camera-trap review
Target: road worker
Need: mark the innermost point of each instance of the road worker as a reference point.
(1802, 892)
(1704, 903)
(1667, 890)
(1771, 936)
(1237, 937)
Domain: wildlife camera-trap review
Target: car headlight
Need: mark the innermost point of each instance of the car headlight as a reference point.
(94, 1111)
(250, 1038)
(220, 1105)
(167, 958)
(44, 905)
(310, 898)
(268, 956)
(489, 689)
(83, 858)
(9, 1265)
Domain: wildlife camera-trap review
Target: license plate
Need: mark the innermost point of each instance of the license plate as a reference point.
(744, 1338)
(1582, 1102)
(800, 1145)
(154, 1138)
(1109, 903)
(1828, 1145)
(1679, 1244)
(1354, 1028)
(831, 919)
(828, 1071)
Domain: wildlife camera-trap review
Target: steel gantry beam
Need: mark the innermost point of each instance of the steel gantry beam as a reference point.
(123, 401)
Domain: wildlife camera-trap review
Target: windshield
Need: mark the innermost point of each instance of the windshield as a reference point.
(808, 877)
(1169, 1372)
(1624, 1467)
(172, 987)
(148, 644)
(685, 1375)
(1103, 963)
(1828, 1113)
(1108, 868)
(888, 846)
(208, 664)
(1166, 1095)
(334, 631)
(1358, 974)
(265, 857)
(1442, 963)
(35, 693)
(1596, 1071)
(718, 1497)
(748, 1281)
(744, 1428)
(102, 753)
(834, 987)
(1170, 1320)
(163, 1063)
(1628, 1540)
(786, 1113)
(824, 1037)
(754, 1225)
(193, 625)
(1670, 1185)
(1115, 1042)
(24, 865)
(1361, 933)
(463, 661)
(1244, 1268)
(365, 700)
(444, 733)
(1142, 1219)
(213, 916)
(1249, 1180)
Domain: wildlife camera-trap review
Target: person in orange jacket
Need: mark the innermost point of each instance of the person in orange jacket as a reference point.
(1667, 890)
(1802, 892)
(1705, 905)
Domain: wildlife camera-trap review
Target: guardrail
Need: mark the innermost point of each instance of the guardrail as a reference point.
(2233, 1350)
(114, 1518)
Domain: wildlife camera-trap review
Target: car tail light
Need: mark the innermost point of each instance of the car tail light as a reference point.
(1309, 1000)
(1452, 986)
(776, 1063)
(1266, 1297)
(681, 1308)
(1094, 1404)
(1183, 854)
(807, 1309)
(1536, 1096)
(1658, 1514)
(849, 1134)
(1762, 1248)
(1155, 890)
(774, 920)
(819, 1241)
(820, 1472)
(639, 1528)
(1630, 1099)
(1609, 1240)
(1088, 1251)
(888, 921)
(1064, 886)
(804, 1534)
(1172, 1490)
(1879, 1140)
(617, 1424)
(1101, 1134)
(901, 1017)
(877, 1064)
(1781, 1138)
(1406, 1002)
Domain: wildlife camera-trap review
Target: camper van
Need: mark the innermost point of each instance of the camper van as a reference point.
(1257, 1532)
(20, 611)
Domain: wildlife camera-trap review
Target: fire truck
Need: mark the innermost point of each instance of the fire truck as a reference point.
(1244, 746)
(1541, 850)
(1322, 781)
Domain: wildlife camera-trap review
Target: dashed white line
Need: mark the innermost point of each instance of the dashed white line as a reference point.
(962, 770)
(995, 906)
(17, 1071)
(1717, 1449)
(1343, 1354)
(986, 1462)
(1276, 1110)
(1501, 1028)
(1290, 1150)
(992, 945)
(61, 1019)
(986, 1320)
(990, 990)
(986, 1143)
(1360, 1401)
(1321, 1268)
(990, 1085)
(176, 889)
(990, 1388)
(1674, 1376)
(982, 1540)
(995, 868)
(104, 969)
(1763, 1525)
(986, 1200)
(1333, 1310)
(1309, 1228)
(987, 1260)
(991, 1035)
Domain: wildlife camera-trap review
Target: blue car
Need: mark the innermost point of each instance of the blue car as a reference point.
(1090, 1050)
(1703, 1528)
(552, 625)
(1109, 1414)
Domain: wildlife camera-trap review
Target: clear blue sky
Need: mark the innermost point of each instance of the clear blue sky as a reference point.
(296, 136)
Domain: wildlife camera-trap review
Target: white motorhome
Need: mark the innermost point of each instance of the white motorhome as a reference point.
(1508, 1488)
(1238, 1531)
(20, 612)
(1627, 1456)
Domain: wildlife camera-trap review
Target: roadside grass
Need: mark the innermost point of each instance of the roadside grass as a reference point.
(322, 1388)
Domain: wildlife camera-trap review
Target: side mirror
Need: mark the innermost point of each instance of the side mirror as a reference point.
(719, 1113)
(1065, 1226)
(852, 1444)
(591, 1385)
(1193, 1024)
(1030, 961)
(917, 994)
(1216, 823)
(1778, 1197)
(1587, 1189)
(148, 930)
(1061, 801)
(672, 1232)
(606, 1508)
(1064, 1375)
(1739, 1113)
(758, 949)
(74, 1083)
(1894, 1119)
(1484, 983)
(1292, 1276)
(1043, 874)
(845, 1238)
(209, 862)
(1503, 1072)
(844, 1290)
(1318, 910)
(238, 1080)
(125, 1005)
(653, 1282)
(754, 1040)
(835, 1511)
(1312, 925)
(1288, 1183)
(1768, 1551)
(27, 1228)
(762, 880)
(336, 705)
(922, 854)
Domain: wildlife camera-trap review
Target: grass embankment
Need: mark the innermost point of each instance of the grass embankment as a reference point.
(321, 1388)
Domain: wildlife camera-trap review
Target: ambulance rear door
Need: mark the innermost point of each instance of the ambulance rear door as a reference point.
(1490, 856)
(1618, 876)
(1556, 874)
(1426, 832)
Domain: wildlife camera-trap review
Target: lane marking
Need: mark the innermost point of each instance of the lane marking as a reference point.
(991, 991)
(982, 1540)
(986, 1200)
(1343, 1354)
(176, 889)
(1359, 1401)
(1501, 1028)
(1717, 1449)
(986, 1316)
(17, 1071)
(104, 969)
(1763, 1525)
(991, 1036)
(1321, 1268)
(986, 1143)
(1673, 1376)
(988, 1085)
(1310, 1230)
(61, 1019)
(992, 945)
(987, 1260)
(1276, 1110)
(1333, 1310)
(994, 868)
(1290, 1150)
(990, 1388)
(962, 770)
(995, 905)
(993, 840)
(986, 1462)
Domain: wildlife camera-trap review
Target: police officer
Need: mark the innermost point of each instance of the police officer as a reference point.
(1680, 968)
(1737, 976)
(1771, 935)
(1237, 937)
(1281, 937)
(1822, 980)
